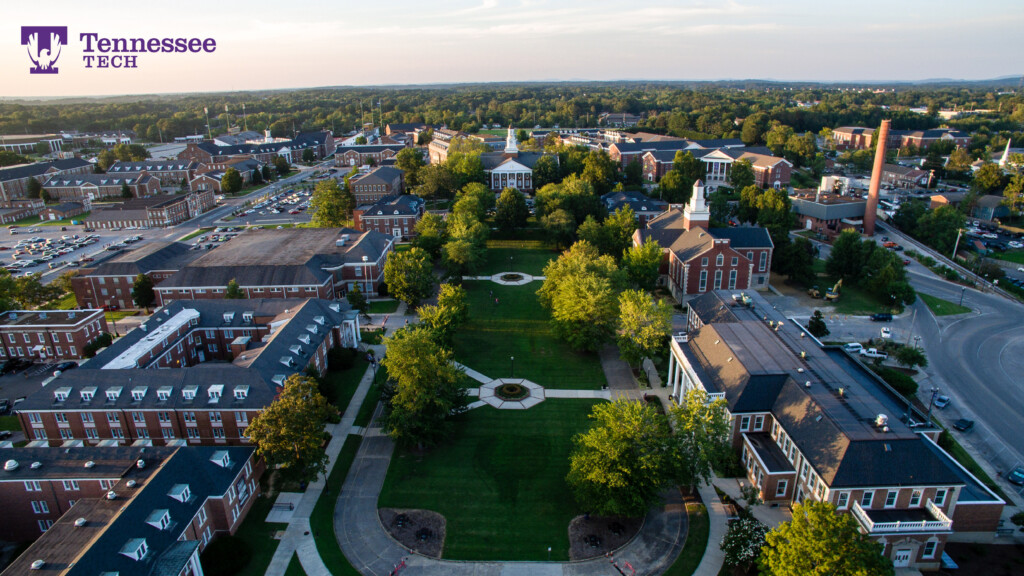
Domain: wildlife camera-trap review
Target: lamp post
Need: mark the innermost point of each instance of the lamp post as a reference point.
(513, 359)
(510, 263)
(931, 401)
(917, 342)
(962, 290)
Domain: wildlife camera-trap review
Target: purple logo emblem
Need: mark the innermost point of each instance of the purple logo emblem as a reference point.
(44, 44)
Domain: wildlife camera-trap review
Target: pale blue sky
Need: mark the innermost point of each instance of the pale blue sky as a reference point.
(299, 43)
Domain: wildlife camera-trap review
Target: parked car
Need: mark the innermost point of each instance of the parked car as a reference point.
(881, 317)
(5, 434)
(854, 347)
(886, 332)
(873, 353)
(963, 425)
(941, 401)
(1016, 476)
(64, 367)
(110, 307)
(15, 365)
(5, 405)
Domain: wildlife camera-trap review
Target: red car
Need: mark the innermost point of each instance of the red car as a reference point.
(110, 307)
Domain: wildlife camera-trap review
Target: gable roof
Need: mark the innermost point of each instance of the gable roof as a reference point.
(394, 205)
(40, 168)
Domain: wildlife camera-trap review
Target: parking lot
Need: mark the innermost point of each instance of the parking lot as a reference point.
(49, 250)
(287, 207)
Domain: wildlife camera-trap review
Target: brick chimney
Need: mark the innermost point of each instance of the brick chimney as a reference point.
(871, 210)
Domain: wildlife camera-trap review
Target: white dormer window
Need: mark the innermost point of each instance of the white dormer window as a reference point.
(304, 338)
(287, 361)
(135, 549)
(180, 492)
(319, 320)
(247, 317)
(88, 393)
(278, 379)
(189, 392)
(295, 349)
(312, 327)
(113, 393)
(214, 393)
(221, 458)
(241, 392)
(164, 393)
(159, 519)
(228, 317)
(139, 392)
(61, 394)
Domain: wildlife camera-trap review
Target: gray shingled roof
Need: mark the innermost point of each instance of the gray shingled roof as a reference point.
(40, 168)
(159, 255)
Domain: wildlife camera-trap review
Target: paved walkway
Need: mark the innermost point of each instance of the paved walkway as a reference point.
(497, 278)
(766, 514)
(618, 373)
(373, 552)
(714, 558)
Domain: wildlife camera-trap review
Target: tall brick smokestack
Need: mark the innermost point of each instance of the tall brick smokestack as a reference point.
(871, 211)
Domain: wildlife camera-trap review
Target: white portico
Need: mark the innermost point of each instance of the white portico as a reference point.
(682, 377)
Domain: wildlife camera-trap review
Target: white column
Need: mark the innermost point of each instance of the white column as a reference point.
(676, 382)
(671, 364)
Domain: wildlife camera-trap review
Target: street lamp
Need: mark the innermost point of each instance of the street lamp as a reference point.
(513, 359)
(930, 402)
(510, 263)
(962, 290)
(917, 342)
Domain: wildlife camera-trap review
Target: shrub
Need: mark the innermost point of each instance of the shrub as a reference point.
(341, 358)
(101, 341)
(226, 556)
(1018, 519)
(900, 382)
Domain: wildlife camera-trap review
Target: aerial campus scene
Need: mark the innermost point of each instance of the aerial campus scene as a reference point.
(512, 288)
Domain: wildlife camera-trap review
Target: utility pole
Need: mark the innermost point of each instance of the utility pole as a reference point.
(209, 131)
(244, 119)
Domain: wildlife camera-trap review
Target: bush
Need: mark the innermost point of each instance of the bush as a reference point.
(1018, 519)
(900, 382)
(101, 341)
(341, 358)
(226, 556)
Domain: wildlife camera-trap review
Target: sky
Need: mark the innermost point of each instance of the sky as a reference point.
(264, 44)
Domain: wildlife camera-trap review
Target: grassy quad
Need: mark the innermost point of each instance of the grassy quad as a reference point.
(527, 256)
(519, 327)
(507, 469)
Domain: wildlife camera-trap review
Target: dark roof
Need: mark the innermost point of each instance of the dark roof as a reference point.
(44, 317)
(379, 175)
(152, 166)
(769, 452)
(829, 206)
(129, 178)
(395, 205)
(991, 201)
(107, 462)
(153, 256)
(66, 207)
(638, 201)
(492, 160)
(40, 168)
(744, 236)
(719, 143)
(368, 148)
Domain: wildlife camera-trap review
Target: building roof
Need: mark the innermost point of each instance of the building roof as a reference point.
(28, 318)
(66, 207)
(152, 166)
(829, 206)
(379, 175)
(40, 168)
(638, 201)
(991, 201)
(904, 170)
(667, 229)
(153, 256)
(368, 148)
(394, 205)
(129, 178)
(106, 462)
(288, 257)
(493, 160)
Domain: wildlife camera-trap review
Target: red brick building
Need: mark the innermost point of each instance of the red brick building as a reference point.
(769, 171)
(699, 259)
(156, 515)
(896, 176)
(155, 211)
(829, 214)
(289, 263)
(360, 154)
(369, 187)
(49, 335)
(321, 143)
(62, 211)
(110, 282)
(169, 172)
(14, 180)
(395, 216)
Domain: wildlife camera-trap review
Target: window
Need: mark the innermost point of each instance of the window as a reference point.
(44, 525)
(758, 422)
(32, 486)
(704, 261)
(35, 418)
(720, 260)
(915, 498)
(40, 434)
(764, 261)
(143, 433)
(218, 433)
(40, 507)
(929, 549)
(750, 256)
(844, 500)
(803, 471)
(116, 433)
(112, 418)
(91, 433)
(87, 417)
(940, 497)
(781, 487)
(703, 280)
(168, 432)
(865, 500)
(215, 417)
(201, 516)
(70, 484)
(192, 433)
(190, 417)
(745, 423)
(732, 280)
(138, 417)
(890, 499)
(775, 429)
(735, 261)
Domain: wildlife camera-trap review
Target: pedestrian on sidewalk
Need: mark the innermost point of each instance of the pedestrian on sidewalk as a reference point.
(495, 301)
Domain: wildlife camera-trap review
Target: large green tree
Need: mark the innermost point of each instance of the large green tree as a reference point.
(231, 181)
(599, 170)
(741, 174)
(644, 326)
(701, 439)
(142, 291)
(431, 234)
(290, 431)
(939, 227)
(545, 171)
(233, 291)
(409, 276)
(559, 227)
(511, 213)
(642, 263)
(620, 465)
(331, 206)
(820, 541)
(444, 318)
(410, 160)
(357, 300)
(423, 391)
(988, 179)
(435, 181)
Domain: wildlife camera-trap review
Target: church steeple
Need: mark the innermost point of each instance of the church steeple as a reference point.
(696, 212)
(511, 146)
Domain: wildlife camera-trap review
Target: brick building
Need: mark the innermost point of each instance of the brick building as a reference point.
(169, 172)
(62, 211)
(769, 171)
(699, 259)
(633, 149)
(289, 263)
(393, 215)
(908, 177)
(859, 138)
(360, 154)
(209, 176)
(157, 515)
(852, 138)
(321, 143)
(110, 283)
(510, 168)
(812, 423)
(155, 211)
(49, 335)
(618, 119)
(94, 186)
(146, 385)
(829, 214)
(369, 187)
(14, 180)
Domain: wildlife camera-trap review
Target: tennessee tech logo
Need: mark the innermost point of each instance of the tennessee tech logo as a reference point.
(44, 43)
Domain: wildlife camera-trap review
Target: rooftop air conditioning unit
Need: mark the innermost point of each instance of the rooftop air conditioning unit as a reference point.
(79, 522)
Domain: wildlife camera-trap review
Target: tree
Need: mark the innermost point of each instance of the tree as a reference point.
(619, 226)
(907, 215)
(267, 174)
(409, 276)
(465, 168)
(816, 325)
(718, 206)
(1013, 194)
(797, 262)
(431, 234)
(435, 181)
(357, 300)
(308, 155)
(584, 311)
(559, 227)
(450, 312)
(482, 193)
(753, 128)
(743, 542)
(619, 466)
(233, 291)
(460, 257)
(911, 357)
(801, 150)
(466, 226)
(256, 177)
(741, 174)
(126, 192)
(819, 541)
(988, 178)
(644, 326)
(642, 263)
(35, 189)
(777, 138)
(848, 256)
(545, 171)
(511, 213)
(330, 205)
(466, 205)
(748, 204)
(105, 159)
(281, 165)
(634, 172)
(599, 171)
(940, 227)
(360, 140)
(410, 160)
(959, 161)
(423, 391)
(701, 439)
(290, 431)
(142, 291)
(231, 181)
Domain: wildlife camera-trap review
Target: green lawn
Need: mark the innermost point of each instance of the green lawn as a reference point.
(527, 256)
(259, 534)
(371, 336)
(118, 315)
(508, 469)
(696, 542)
(294, 567)
(1015, 256)
(519, 327)
(322, 519)
(339, 386)
(383, 306)
(65, 302)
(35, 221)
(852, 300)
(941, 307)
(9, 423)
(372, 398)
(198, 232)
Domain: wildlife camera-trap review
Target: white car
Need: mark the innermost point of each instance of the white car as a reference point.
(886, 332)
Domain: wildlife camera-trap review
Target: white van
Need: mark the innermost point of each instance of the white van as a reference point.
(854, 347)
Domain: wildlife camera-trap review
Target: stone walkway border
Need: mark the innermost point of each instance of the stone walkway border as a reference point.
(535, 394)
(496, 278)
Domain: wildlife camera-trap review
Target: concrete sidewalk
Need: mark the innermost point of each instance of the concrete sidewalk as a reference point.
(714, 558)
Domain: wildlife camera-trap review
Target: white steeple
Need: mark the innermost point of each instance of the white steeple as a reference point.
(511, 146)
(1006, 154)
(696, 210)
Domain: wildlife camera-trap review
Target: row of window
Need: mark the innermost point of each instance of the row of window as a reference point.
(217, 432)
(114, 418)
(703, 282)
(720, 260)
(17, 351)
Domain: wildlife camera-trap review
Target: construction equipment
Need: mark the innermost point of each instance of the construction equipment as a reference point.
(814, 292)
(833, 292)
